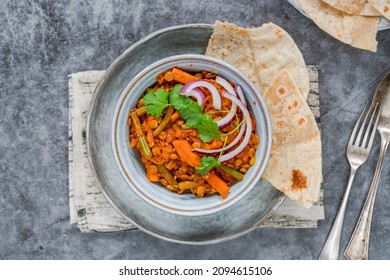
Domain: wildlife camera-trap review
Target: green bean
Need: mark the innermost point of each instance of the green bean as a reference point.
(145, 149)
(164, 121)
(141, 111)
(230, 171)
(187, 185)
(167, 175)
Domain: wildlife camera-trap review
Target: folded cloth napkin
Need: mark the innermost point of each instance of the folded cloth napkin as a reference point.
(90, 210)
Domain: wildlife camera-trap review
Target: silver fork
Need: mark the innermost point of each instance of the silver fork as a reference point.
(357, 154)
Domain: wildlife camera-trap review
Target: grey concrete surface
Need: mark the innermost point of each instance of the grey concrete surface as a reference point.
(41, 42)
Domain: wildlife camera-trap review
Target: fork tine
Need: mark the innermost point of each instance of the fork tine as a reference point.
(352, 137)
(362, 128)
(373, 109)
(374, 128)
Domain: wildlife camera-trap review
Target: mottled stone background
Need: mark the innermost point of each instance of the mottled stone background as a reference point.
(42, 42)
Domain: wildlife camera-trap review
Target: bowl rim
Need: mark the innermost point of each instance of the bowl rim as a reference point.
(217, 204)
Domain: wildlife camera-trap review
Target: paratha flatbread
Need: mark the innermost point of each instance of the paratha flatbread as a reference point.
(357, 31)
(354, 7)
(382, 6)
(295, 163)
(260, 53)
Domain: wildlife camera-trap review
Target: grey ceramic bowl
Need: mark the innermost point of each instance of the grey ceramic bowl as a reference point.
(233, 221)
(128, 160)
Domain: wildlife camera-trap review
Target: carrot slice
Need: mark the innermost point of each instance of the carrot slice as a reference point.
(182, 77)
(217, 183)
(184, 149)
(215, 144)
(175, 116)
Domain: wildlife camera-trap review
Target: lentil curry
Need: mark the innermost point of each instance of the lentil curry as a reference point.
(194, 133)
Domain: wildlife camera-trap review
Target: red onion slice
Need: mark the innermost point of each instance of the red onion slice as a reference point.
(226, 120)
(226, 85)
(217, 102)
(248, 131)
(198, 94)
(241, 96)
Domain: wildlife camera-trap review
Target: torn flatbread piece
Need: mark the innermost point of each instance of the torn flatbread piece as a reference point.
(354, 7)
(382, 6)
(260, 53)
(357, 31)
(295, 164)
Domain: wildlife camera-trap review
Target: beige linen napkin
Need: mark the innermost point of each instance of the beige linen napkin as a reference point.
(89, 209)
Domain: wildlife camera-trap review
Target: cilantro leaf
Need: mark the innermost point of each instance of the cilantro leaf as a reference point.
(175, 96)
(192, 112)
(208, 163)
(156, 101)
(189, 110)
(208, 129)
(177, 99)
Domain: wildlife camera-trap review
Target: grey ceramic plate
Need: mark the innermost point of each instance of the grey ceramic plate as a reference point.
(231, 222)
(383, 23)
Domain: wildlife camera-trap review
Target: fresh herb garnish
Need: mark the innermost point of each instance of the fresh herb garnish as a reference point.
(156, 101)
(208, 129)
(189, 110)
(208, 163)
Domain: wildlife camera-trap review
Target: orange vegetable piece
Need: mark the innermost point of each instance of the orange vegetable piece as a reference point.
(182, 77)
(175, 116)
(215, 144)
(178, 133)
(184, 149)
(168, 76)
(217, 183)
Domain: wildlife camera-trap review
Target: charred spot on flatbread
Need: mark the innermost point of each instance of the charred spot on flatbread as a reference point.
(301, 121)
(298, 180)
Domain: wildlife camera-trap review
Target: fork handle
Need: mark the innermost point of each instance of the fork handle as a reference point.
(330, 251)
(357, 248)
